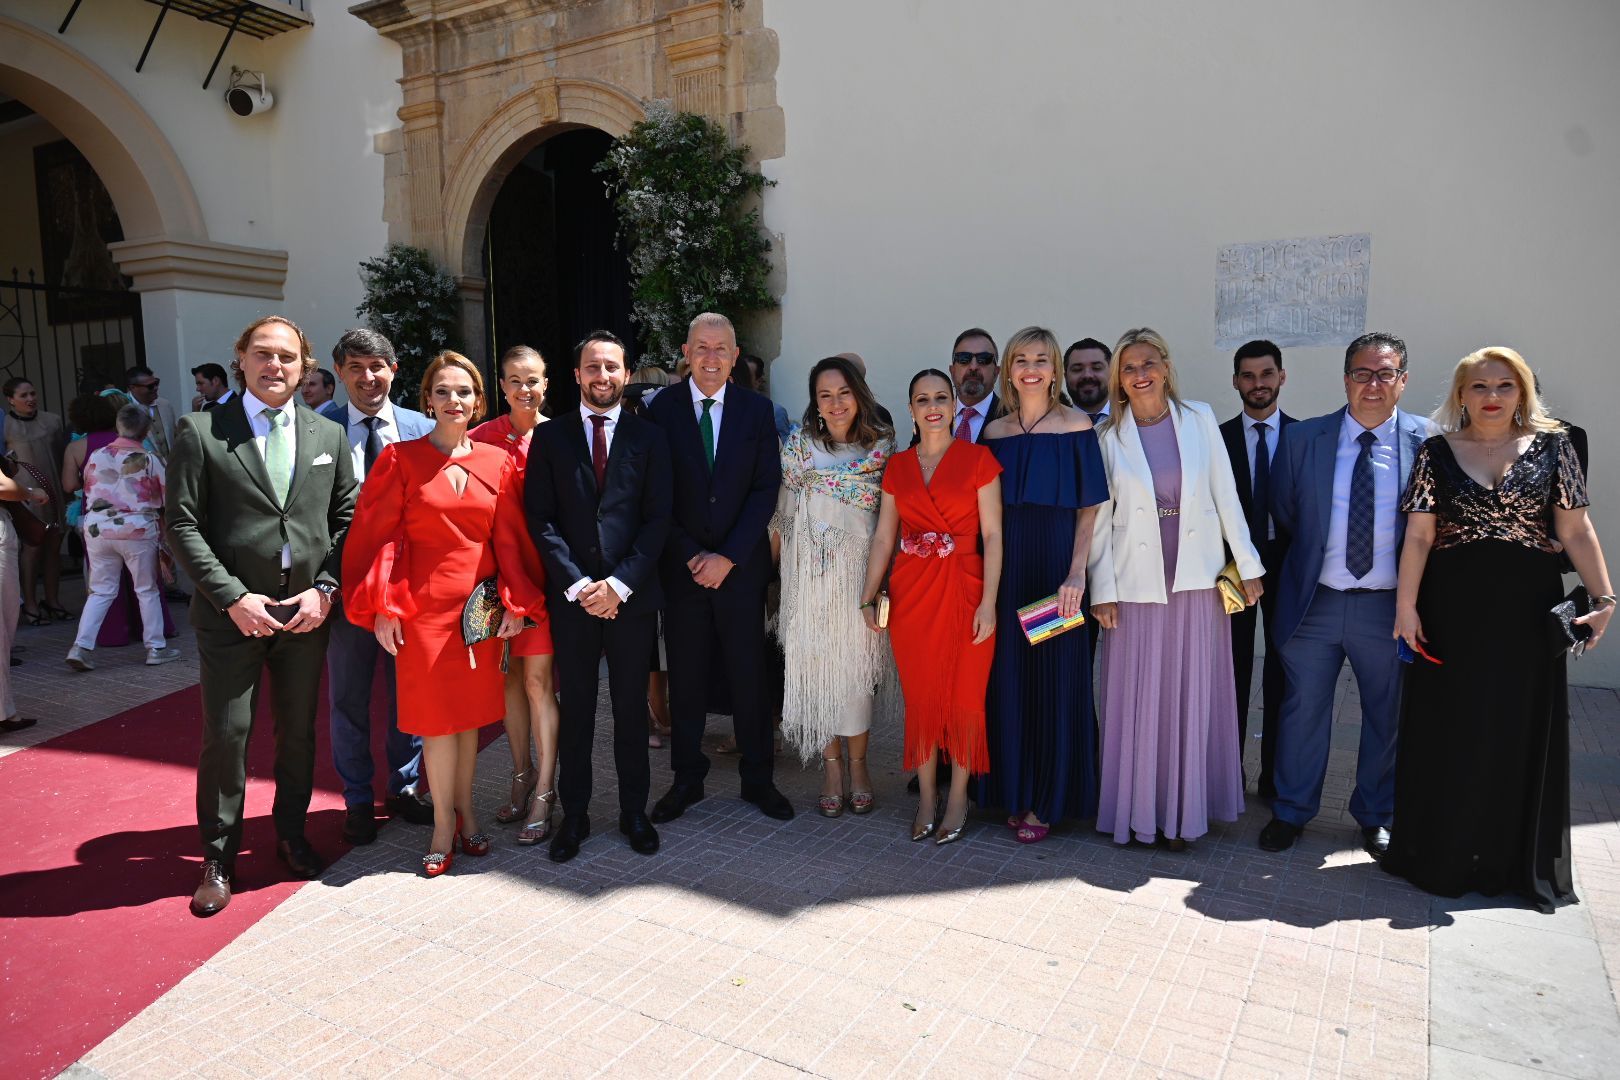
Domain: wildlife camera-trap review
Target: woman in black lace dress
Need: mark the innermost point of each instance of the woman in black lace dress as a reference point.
(1482, 764)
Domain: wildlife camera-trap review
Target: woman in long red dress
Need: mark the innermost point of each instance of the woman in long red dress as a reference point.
(437, 516)
(531, 687)
(941, 507)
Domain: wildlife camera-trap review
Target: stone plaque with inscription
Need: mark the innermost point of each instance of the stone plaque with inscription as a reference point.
(1307, 291)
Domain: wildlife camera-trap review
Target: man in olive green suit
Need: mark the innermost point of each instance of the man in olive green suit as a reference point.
(260, 493)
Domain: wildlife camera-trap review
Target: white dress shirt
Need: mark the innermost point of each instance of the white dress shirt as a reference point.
(975, 422)
(387, 432)
(571, 594)
(261, 431)
(1252, 441)
(1102, 413)
(716, 411)
(1386, 470)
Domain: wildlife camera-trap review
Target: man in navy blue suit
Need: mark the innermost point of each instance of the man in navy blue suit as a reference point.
(366, 363)
(1252, 438)
(716, 564)
(1336, 485)
(598, 500)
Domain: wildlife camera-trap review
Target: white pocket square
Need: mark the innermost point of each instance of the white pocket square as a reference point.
(324, 459)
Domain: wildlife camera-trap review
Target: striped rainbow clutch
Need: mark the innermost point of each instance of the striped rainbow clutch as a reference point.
(1041, 620)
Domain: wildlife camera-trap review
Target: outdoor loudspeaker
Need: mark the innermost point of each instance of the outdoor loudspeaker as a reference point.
(244, 98)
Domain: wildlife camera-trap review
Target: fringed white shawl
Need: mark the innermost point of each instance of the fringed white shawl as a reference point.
(826, 517)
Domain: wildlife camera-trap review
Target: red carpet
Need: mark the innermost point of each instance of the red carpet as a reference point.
(100, 856)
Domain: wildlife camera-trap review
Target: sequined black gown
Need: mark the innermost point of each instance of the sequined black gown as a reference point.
(1482, 761)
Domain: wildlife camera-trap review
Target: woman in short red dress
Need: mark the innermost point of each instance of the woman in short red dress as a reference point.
(437, 516)
(941, 506)
(531, 688)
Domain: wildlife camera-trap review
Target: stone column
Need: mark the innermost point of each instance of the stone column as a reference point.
(425, 170)
(696, 51)
(474, 328)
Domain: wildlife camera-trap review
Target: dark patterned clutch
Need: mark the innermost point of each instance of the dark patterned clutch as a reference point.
(1564, 634)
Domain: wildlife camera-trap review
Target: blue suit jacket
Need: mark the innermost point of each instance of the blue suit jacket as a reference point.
(411, 424)
(332, 410)
(725, 511)
(1302, 503)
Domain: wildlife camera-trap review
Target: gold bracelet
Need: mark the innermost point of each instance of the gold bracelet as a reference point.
(1606, 600)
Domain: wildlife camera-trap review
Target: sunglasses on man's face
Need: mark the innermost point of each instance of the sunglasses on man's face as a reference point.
(982, 359)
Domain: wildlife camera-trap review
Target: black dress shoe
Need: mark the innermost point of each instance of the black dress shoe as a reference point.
(213, 892)
(771, 803)
(1375, 840)
(360, 825)
(643, 837)
(17, 723)
(304, 861)
(569, 835)
(1279, 835)
(413, 808)
(675, 802)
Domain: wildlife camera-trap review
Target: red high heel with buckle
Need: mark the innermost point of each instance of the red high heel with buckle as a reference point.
(476, 845)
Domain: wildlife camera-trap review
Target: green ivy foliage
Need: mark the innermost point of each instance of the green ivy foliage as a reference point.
(413, 303)
(682, 190)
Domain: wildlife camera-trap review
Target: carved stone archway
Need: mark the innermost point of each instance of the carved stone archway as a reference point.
(485, 83)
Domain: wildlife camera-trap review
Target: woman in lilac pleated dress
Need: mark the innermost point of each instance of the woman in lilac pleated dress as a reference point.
(1169, 708)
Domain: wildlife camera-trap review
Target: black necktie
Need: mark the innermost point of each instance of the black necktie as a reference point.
(1096, 418)
(1358, 535)
(599, 449)
(373, 442)
(1260, 490)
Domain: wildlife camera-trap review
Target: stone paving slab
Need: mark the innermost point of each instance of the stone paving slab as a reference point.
(837, 948)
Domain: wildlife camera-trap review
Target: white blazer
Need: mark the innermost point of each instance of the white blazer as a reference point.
(1127, 563)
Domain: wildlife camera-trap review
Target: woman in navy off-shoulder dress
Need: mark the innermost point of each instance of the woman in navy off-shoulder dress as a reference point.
(1039, 717)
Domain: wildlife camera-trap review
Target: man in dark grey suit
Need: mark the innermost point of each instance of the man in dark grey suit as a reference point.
(366, 363)
(260, 493)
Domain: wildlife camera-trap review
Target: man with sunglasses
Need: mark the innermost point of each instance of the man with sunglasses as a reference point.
(974, 370)
(142, 387)
(1336, 483)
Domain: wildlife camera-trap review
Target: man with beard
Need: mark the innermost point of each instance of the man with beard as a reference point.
(1251, 440)
(1085, 371)
(974, 368)
(598, 496)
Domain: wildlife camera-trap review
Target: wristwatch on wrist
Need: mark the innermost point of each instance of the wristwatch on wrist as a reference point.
(326, 589)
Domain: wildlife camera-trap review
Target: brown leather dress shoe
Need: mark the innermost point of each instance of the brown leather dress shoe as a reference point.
(304, 861)
(213, 892)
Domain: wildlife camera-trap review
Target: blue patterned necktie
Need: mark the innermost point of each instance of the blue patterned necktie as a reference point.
(1260, 490)
(1358, 537)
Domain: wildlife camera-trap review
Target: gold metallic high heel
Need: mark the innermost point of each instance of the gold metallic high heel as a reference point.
(953, 835)
(514, 811)
(831, 805)
(860, 802)
(537, 829)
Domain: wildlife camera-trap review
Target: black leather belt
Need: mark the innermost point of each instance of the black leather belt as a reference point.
(1358, 592)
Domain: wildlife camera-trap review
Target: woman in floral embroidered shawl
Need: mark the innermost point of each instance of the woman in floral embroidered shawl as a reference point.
(832, 472)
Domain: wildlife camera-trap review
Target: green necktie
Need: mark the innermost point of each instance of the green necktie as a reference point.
(278, 454)
(706, 425)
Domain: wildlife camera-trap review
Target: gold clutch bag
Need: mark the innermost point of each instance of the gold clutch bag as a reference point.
(883, 610)
(1230, 585)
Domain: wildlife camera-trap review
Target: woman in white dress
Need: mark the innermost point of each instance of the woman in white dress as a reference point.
(832, 475)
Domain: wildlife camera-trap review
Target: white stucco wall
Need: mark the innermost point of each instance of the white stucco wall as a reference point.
(302, 178)
(1077, 164)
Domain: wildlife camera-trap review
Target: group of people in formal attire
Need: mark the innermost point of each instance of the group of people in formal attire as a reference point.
(494, 564)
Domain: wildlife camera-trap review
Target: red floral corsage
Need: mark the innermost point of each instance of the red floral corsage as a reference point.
(926, 544)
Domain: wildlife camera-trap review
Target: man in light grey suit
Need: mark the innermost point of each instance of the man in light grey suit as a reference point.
(142, 387)
(366, 363)
(1336, 484)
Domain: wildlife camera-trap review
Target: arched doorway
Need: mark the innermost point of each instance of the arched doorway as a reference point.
(553, 269)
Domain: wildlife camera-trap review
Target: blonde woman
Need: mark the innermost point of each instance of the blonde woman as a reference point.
(1039, 719)
(1169, 708)
(1482, 758)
